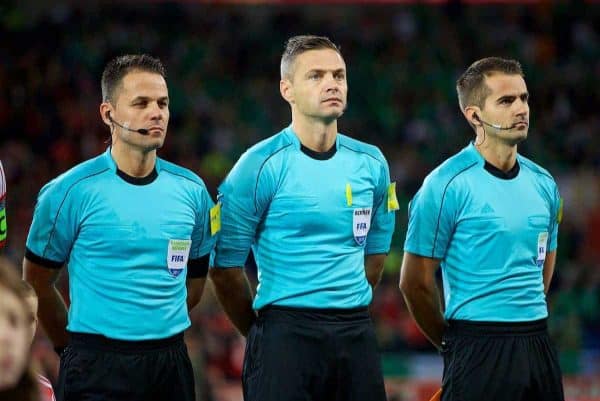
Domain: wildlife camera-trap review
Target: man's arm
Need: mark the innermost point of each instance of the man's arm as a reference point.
(549, 264)
(374, 268)
(418, 285)
(195, 288)
(234, 294)
(52, 308)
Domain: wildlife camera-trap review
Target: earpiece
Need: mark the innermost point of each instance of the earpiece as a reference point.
(497, 126)
(142, 131)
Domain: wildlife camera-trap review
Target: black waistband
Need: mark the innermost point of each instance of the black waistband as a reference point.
(327, 315)
(97, 341)
(497, 328)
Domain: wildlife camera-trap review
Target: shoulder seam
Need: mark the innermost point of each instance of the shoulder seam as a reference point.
(437, 227)
(359, 151)
(260, 171)
(180, 175)
(536, 170)
(62, 203)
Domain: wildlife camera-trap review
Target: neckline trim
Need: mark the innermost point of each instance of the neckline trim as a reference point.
(504, 175)
(150, 178)
(328, 154)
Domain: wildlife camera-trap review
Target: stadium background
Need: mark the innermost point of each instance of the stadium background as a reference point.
(223, 72)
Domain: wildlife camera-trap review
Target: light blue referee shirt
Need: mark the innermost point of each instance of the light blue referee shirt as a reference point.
(128, 243)
(491, 233)
(310, 219)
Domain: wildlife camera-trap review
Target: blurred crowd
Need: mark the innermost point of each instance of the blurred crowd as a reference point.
(223, 72)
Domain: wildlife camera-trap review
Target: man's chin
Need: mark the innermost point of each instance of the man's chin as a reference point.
(517, 139)
(149, 147)
(334, 115)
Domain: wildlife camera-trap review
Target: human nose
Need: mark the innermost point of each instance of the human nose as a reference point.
(157, 112)
(522, 108)
(332, 84)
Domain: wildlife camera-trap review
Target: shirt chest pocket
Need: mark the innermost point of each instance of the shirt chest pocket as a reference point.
(95, 234)
(294, 214)
(95, 240)
(360, 198)
(289, 205)
(480, 228)
(539, 222)
(175, 231)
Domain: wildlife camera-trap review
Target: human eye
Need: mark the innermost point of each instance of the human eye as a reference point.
(140, 103)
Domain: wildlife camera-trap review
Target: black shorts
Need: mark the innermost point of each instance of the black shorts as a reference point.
(500, 361)
(311, 354)
(93, 367)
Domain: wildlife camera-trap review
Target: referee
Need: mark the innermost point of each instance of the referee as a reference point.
(317, 209)
(134, 231)
(489, 217)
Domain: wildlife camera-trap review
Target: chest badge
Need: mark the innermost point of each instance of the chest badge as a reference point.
(177, 255)
(361, 223)
(541, 248)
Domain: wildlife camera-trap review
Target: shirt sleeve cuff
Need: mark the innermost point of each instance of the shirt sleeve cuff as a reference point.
(198, 268)
(50, 264)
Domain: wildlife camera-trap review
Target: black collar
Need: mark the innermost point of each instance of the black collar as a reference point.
(508, 175)
(138, 180)
(328, 154)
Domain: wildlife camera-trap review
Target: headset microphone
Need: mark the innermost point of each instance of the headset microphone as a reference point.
(497, 126)
(142, 131)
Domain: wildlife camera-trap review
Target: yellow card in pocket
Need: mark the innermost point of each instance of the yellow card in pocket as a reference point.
(348, 195)
(392, 203)
(559, 215)
(215, 219)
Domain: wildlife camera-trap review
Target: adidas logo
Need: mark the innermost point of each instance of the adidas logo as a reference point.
(486, 209)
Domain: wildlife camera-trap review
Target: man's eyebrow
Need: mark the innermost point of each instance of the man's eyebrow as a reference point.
(147, 98)
(322, 70)
(512, 97)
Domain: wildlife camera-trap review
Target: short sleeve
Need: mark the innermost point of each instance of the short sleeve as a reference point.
(203, 238)
(53, 228)
(244, 196)
(430, 219)
(557, 211)
(384, 216)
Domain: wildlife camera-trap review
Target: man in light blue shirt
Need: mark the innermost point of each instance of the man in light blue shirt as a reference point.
(489, 217)
(135, 233)
(317, 209)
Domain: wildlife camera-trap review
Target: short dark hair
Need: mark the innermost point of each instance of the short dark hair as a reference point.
(120, 66)
(299, 44)
(471, 87)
